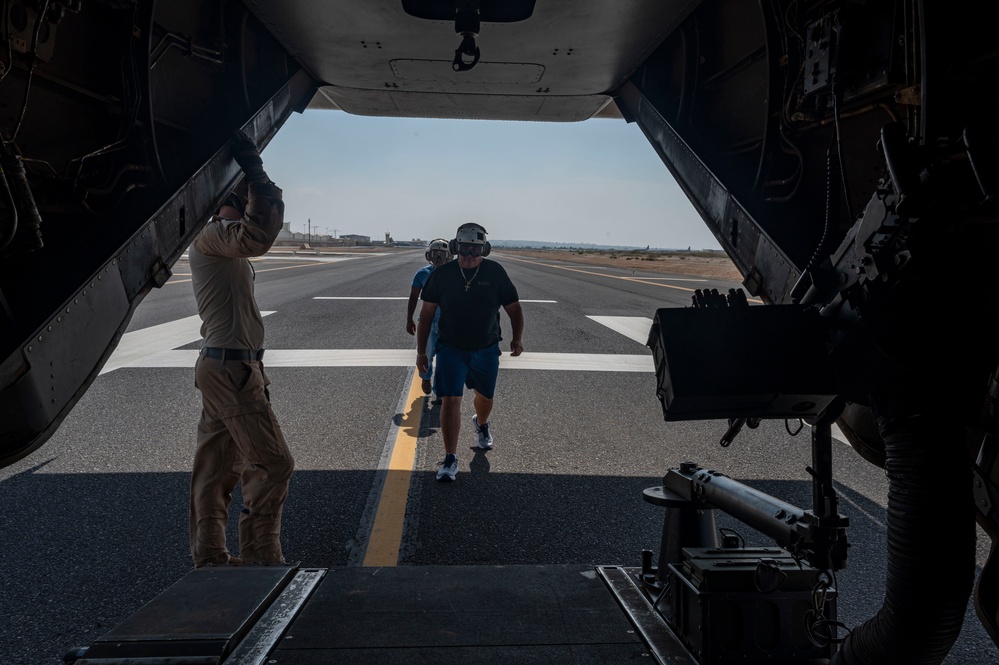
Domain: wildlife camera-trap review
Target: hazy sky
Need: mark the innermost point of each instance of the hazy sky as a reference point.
(597, 181)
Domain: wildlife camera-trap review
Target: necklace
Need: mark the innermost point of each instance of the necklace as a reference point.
(468, 280)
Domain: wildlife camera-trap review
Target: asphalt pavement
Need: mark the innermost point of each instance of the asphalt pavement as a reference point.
(95, 521)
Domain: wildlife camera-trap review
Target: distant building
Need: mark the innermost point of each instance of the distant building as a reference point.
(353, 239)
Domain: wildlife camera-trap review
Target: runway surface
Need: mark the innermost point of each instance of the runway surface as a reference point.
(95, 522)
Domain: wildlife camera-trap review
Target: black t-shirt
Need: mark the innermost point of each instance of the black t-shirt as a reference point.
(470, 318)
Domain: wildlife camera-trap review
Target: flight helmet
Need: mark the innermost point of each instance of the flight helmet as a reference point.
(438, 245)
(470, 234)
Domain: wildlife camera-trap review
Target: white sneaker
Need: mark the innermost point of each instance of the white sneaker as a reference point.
(483, 437)
(449, 468)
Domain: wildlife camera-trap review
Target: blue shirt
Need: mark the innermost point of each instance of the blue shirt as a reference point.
(419, 279)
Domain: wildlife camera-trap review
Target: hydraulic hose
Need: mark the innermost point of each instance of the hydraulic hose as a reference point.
(19, 197)
(822, 249)
(931, 541)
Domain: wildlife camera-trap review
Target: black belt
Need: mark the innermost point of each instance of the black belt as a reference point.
(216, 353)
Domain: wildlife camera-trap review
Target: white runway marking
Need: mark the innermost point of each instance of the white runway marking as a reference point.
(155, 347)
(136, 348)
(395, 298)
(672, 279)
(577, 362)
(632, 327)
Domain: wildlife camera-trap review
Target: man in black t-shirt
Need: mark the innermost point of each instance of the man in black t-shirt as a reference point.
(469, 293)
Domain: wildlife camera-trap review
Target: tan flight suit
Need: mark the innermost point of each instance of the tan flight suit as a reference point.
(239, 438)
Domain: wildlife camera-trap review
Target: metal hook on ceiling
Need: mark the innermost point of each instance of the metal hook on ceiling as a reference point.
(466, 24)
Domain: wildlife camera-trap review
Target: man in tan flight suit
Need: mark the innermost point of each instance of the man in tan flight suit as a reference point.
(239, 439)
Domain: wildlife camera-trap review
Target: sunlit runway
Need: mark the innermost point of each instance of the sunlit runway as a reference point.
(96, 520)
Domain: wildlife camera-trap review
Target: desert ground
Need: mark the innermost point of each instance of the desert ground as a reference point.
(696, 264)
(693, 264)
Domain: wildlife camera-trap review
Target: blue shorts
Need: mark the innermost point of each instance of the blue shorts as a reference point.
(457, 369)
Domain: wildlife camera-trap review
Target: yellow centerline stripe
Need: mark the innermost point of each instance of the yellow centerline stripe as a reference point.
(600, 274)
(386, 532)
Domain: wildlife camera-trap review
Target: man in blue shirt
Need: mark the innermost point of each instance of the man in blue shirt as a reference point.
(437, 254)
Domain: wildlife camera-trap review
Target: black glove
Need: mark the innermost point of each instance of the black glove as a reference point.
(245, 152)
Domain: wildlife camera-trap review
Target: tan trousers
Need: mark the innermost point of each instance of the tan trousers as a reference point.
(239, 440)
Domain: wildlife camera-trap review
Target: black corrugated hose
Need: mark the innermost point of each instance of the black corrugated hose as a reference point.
(931, 541)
